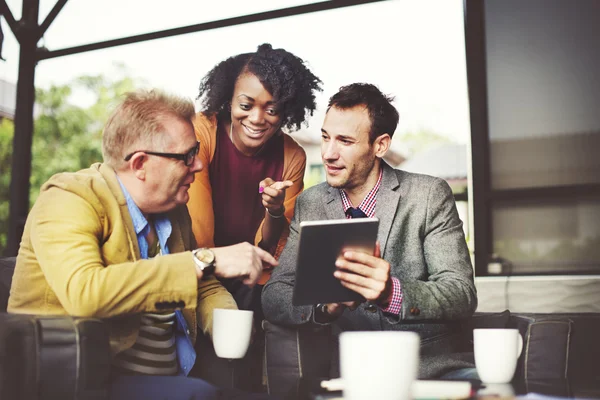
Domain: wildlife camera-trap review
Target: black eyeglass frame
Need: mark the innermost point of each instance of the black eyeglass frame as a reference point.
(187, 157)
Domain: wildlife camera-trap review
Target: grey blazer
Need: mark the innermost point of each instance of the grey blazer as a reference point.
(421, 236)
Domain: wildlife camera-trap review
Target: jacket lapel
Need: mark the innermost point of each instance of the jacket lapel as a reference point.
(110, 177)
(333, 204)
(388, 199)
(177, 242)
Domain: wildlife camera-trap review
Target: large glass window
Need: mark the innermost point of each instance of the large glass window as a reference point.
(536, 168)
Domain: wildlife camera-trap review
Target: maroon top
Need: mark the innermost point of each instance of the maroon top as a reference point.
(234, 178)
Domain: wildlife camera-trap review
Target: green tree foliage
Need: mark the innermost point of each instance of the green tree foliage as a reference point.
(415, 142)
(67, 137)
(6, 138)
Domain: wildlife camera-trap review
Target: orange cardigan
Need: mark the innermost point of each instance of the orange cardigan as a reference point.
(200, 202)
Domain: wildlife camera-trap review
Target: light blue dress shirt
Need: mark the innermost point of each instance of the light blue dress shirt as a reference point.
(186, 355)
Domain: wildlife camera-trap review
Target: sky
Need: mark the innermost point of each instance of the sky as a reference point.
(412, 49)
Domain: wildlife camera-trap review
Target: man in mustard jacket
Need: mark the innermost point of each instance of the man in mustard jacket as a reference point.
(115, 240)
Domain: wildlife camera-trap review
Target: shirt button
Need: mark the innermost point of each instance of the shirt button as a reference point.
(371, 308)
(415, 311)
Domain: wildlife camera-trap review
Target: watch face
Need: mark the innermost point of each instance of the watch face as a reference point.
(206, 256)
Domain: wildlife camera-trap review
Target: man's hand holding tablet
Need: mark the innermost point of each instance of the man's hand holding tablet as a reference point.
(368, 275)
(363, 273)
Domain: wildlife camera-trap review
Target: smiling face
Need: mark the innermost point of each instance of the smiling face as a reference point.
(351, 161)
(254, 115)
(168, 180)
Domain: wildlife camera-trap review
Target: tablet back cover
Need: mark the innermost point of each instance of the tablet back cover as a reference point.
(321, 242)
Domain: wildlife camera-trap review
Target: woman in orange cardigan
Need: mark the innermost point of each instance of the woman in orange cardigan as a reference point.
(253, 171)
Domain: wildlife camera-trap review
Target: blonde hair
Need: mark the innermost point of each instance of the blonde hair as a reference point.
(137, 123)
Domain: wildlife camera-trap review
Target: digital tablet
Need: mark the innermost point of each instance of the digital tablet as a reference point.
(320, 244)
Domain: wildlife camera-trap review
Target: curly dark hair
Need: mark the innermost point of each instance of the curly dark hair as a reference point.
(383, 115)
(284, 75)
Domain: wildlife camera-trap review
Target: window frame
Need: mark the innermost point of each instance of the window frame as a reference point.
(483, 196)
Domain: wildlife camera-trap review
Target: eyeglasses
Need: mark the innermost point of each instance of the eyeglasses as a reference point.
(187, 157)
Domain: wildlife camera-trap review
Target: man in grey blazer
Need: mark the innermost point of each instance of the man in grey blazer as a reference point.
(420, 277)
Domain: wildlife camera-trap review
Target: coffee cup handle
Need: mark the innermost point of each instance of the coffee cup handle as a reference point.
(520, 345)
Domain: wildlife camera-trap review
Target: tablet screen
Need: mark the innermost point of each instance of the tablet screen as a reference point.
(320, 244)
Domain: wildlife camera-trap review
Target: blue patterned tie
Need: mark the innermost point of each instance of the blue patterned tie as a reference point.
(355, 213)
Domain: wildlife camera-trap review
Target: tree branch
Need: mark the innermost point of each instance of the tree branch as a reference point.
(5, 11)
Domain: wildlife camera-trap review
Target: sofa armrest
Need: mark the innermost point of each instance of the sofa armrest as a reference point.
(546, 343)
(44, 357)
(295, 353)
(7, 268)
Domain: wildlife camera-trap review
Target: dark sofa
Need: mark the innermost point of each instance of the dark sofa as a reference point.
(560, 355)
(47, 378)
(46, 357)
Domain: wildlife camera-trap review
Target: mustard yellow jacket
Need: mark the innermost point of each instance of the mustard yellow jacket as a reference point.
(200, 202)
(79, 256)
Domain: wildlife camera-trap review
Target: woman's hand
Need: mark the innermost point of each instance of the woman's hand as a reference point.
(273, 196)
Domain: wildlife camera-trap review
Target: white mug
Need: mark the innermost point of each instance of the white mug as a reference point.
(232, 330)
(379, 364)
(496, 353)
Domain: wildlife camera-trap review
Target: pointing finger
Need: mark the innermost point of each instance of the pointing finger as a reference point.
(266, 256)
(282, 185)
(265, 183)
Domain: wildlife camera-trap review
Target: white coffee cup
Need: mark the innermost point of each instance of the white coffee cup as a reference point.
(232, 330)
(379, 365)
(496, 353)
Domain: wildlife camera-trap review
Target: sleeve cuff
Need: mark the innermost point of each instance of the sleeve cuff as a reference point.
(320, 318)
(395, 306)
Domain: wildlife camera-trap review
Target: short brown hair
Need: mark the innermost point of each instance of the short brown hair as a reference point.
(383, 115)
(138, 121)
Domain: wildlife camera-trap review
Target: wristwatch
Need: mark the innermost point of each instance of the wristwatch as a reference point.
(205, 260)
